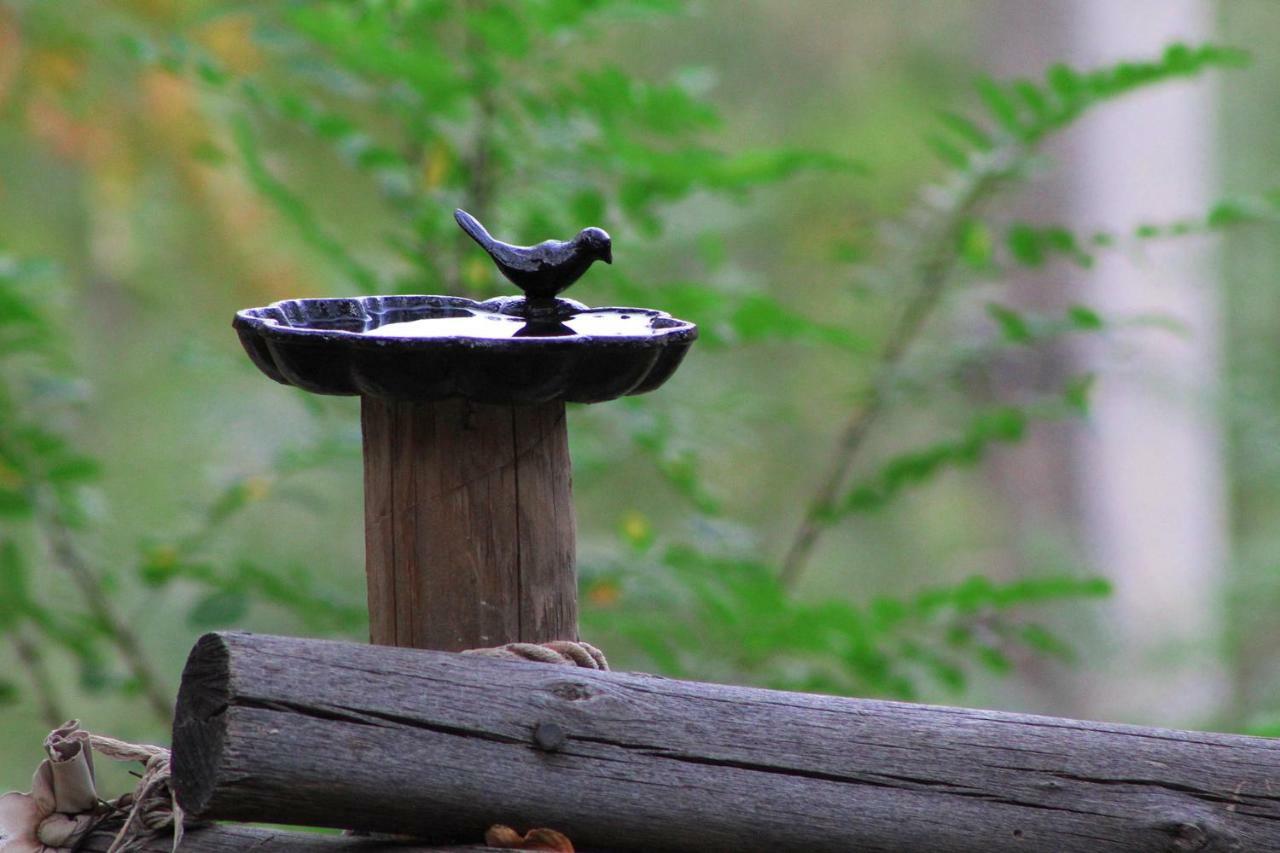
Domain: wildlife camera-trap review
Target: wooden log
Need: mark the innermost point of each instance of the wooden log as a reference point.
(250, 839)
(469, 524)
(396, 740)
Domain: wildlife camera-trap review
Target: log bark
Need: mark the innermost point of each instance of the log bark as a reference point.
(424, 743)
(469, 525)
(249, 839)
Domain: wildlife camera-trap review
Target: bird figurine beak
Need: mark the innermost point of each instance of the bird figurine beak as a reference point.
(607, 257)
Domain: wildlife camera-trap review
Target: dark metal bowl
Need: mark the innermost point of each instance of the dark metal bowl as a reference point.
(345, 346)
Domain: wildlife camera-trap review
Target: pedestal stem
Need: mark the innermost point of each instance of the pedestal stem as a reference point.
(469, 524)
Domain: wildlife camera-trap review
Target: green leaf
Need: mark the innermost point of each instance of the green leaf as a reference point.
(1002, 108)
(74, 469)
(1035, 100)
(947, 152)
(1085, 318)
(588, 205)
(14, 504)
(994, 660)
(975, 244)
(95, 676)
(1064, 82)
(1013, 326)
(218, 609)
(15, 594)
(1044, 641)
(1025, 245)
(967, 130)
(1076, 394)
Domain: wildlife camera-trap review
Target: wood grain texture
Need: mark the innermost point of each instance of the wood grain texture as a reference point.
(398, 740)
(242, 839)
(469, 524)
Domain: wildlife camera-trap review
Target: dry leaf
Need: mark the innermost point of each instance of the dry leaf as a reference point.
(547, 839)
(506, 838)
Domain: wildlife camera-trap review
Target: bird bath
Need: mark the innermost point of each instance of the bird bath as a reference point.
(426, 348)
(469, 523)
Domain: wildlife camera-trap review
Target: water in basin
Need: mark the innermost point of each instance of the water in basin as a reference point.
(486, 324)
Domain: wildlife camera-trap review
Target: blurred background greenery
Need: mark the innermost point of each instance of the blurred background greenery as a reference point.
(874, 242)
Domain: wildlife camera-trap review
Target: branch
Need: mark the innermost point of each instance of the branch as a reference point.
(481, 181)
(931, 278)
(1020, 116)
(89, 582)
(33, 662)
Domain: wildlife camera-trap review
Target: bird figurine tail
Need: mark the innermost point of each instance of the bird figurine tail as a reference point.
(474, 229)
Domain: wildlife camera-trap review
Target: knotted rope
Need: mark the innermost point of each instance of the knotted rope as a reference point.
(64, 807)
(562, 652)
(152, 806)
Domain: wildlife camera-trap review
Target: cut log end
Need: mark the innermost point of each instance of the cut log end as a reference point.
(199, 730)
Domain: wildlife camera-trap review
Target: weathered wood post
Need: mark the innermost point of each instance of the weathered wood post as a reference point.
(469, 522)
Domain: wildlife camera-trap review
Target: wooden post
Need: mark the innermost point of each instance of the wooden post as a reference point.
(425, 743)
(469, 524)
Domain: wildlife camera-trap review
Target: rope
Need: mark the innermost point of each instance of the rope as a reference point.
(152, 806)
(64, 807)
(560, 652)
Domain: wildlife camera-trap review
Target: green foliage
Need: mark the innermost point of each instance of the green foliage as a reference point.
(988, 427)
(421, 105)
(1036, 245)
(730, 618)
(44, 478)
(1025, 112)
(474, 105)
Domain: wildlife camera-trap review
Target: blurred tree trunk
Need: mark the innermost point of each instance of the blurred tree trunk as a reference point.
(1146, 484)
(1151, 479)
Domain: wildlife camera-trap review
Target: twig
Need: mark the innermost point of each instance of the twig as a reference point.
(931, 278)
(96, 598)
(481, 180)
(33, 662)
(480, 187)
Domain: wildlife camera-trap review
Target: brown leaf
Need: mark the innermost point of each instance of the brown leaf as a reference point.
(506, 838)
(547, 839)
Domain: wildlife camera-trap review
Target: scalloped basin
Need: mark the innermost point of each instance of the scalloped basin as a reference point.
(422, 348)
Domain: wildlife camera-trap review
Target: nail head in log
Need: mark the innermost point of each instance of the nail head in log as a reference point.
(403, 741)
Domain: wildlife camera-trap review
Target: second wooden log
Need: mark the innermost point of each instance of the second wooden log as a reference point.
(469, 524)
(231, 838)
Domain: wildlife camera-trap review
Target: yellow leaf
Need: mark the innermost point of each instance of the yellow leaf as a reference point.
(163, 557)
(230, 39)
(10, 478)
(604, 594)
(435, 165)
(256, 488)
(476, 272)
(636, 528)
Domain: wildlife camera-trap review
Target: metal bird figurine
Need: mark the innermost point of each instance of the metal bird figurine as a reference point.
(543, 270)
